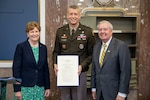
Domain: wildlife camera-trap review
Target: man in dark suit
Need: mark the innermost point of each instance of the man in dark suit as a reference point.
(111, 69)
(80, 42)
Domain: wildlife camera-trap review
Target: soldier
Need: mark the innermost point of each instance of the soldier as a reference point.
(75, 38)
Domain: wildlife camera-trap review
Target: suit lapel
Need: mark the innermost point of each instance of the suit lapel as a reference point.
(109, 51)
(30, 52)
(77, 33)
(40, 53)
(98, 49)
(66, 31)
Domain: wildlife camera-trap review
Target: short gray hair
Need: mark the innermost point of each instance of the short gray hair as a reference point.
(105, 21)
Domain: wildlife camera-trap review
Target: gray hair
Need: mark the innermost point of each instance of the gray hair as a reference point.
(105, 21)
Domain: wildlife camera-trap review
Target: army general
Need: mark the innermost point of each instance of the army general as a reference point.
(74, 38)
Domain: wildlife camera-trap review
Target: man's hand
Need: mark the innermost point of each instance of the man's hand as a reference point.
(56, 69)
(94, 95)
(120, 98)
(79, 69)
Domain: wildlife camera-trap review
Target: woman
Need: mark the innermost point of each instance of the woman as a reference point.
(30, 67)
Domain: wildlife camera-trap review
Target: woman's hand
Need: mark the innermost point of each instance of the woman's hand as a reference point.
(18, 95)
(47, 92)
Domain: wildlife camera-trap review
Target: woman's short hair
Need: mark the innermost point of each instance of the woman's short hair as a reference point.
(31, 25)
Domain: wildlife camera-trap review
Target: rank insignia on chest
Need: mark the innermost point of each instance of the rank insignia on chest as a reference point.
(84, 37)
(82, 32)
(64, 37)
(81, 37)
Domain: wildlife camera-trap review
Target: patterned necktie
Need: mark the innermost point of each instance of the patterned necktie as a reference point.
(103, 54)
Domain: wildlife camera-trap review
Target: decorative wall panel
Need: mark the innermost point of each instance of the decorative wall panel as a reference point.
(55, 16)
(144, 52)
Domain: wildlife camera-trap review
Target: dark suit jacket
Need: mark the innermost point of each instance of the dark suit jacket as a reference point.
(114, 76)
(26, 68)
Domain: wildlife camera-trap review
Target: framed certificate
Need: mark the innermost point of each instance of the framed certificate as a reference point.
(67, 70)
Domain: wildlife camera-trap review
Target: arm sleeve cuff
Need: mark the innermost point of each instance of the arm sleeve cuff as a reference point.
(17, 87)
(122, 94)
(93, 89)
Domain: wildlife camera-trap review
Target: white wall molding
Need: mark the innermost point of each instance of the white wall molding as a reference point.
(5, 64)
(42, 21)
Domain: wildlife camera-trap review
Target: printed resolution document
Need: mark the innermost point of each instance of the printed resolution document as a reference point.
(67, 70)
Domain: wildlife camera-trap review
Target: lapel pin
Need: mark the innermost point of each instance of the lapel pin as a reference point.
(108, 50)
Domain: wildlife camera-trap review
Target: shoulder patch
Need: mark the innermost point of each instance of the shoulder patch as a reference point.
(62, 27)
(92, 32)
